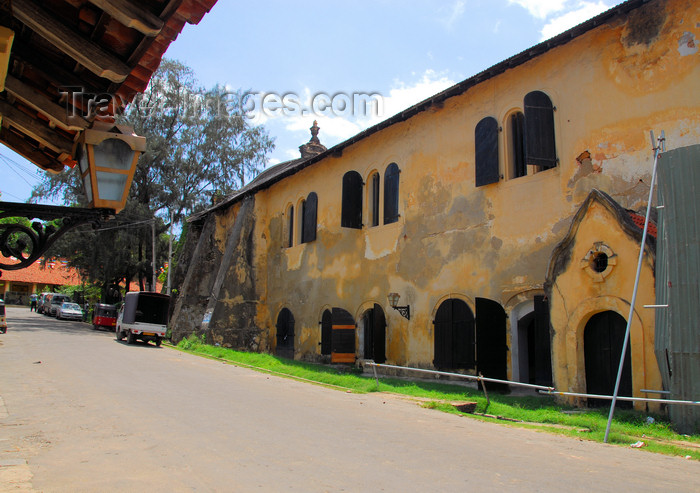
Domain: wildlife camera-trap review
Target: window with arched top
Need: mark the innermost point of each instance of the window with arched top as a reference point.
(373, 199)
(540, 148)
(391, 193)
(486, 151)
(301, 205)
(289, 240)
(351, 207)
(309, 212)
(516, 145)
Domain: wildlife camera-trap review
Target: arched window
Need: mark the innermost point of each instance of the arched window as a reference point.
(486, 151)
(391, 194)
(351, 207)
(374, 200)
(516, 145)
(308, 228)
(290, 227)
(301, 205)
(540, 149)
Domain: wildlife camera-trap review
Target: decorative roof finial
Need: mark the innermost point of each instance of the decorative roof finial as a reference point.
(313, 147)
(314, 133)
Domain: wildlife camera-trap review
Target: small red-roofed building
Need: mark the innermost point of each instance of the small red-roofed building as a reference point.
(16, 286)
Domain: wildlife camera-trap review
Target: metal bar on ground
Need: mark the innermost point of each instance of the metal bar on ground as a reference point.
(621, 398)
(460, 375)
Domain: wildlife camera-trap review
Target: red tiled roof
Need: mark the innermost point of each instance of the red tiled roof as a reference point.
(54, 272)
(639, 221)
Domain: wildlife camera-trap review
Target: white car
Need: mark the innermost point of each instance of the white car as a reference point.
(69, 311)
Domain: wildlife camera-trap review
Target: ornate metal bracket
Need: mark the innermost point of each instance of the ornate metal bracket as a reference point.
(26, 244)
(405, 311)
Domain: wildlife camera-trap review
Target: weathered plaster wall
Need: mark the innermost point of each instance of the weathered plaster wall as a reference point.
(577, 292)
(610, 87)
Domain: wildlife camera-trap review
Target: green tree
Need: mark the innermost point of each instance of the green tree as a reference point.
(199, 142)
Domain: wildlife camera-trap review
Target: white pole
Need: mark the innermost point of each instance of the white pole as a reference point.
(657, 147)
(170, 250)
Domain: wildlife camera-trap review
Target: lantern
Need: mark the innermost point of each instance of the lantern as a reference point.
(107, 155)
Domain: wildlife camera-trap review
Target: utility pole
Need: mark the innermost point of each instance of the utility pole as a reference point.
(170, 249)
(155, 273)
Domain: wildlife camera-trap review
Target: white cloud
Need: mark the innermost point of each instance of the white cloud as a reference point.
(583, 12)
(540, 9)
(454, 13)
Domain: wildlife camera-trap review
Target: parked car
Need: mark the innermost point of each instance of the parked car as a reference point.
(3, 320)
(54, 302)
(144, 315)
(69, 311)
(104, 316)
(42, 304)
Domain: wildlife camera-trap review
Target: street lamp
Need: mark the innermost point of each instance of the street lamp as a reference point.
(107, 155)
(405, 311)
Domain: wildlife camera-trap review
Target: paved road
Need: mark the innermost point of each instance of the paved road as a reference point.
(80, 411)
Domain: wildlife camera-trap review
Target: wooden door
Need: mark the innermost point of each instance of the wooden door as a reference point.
(343, 338)
(603, 339)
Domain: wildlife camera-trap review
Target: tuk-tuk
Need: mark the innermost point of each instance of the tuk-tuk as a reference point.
(3, 320)
(144, 315)
(104, 316)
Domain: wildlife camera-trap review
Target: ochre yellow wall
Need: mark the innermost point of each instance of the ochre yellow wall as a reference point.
(579, 292)
(609, 86)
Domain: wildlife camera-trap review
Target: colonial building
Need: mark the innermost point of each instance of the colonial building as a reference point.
(504, 212)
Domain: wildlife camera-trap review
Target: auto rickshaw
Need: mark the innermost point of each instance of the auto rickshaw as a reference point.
(104, 316)
(3, 320)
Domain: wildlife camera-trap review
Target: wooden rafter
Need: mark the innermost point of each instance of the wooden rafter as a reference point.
(55, 113)
(35, 129)
(131, 16)
(88, 54)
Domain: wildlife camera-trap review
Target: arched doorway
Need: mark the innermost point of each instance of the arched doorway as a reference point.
(534, 345)
(285, 334)
(374, 323)
(603, 339)
(491, 344)
(343, 336)
(454, 335)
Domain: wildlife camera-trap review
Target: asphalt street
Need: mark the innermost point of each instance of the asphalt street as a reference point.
(80, 411)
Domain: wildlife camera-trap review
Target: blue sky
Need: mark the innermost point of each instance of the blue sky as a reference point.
(400, 51)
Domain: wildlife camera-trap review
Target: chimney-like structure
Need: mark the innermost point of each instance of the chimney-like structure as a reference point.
(313, 147)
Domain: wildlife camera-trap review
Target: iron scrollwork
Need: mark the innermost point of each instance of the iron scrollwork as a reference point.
(27, 244)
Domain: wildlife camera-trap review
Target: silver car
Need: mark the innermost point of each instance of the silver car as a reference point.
(69, 311)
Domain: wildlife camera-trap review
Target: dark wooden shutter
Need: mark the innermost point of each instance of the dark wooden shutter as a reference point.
(351, 208)
(326, 332)
(539, 130)
(379, 333)
(309, 227)
(391, 193)
(463, 339)
(290, 227)
(343, 339)
(486, 155)
(444, 336)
